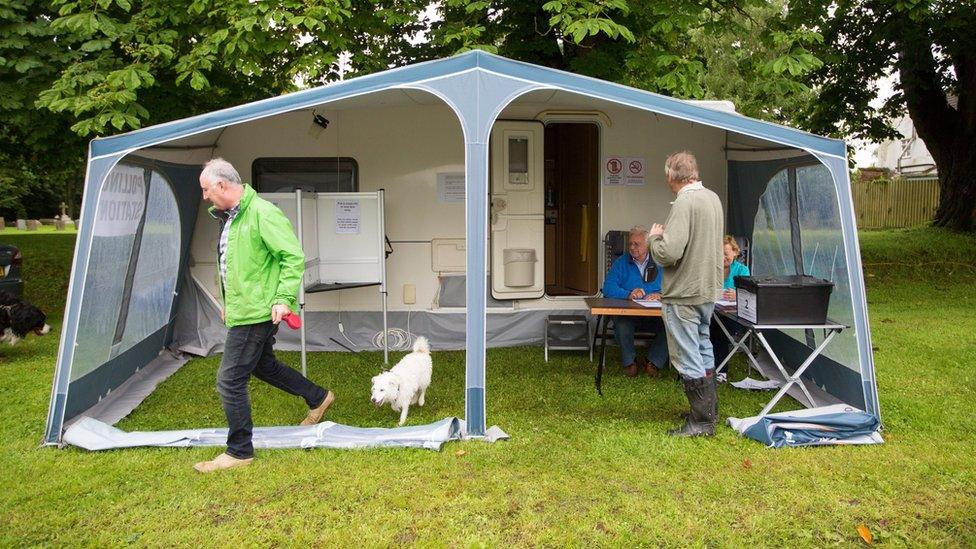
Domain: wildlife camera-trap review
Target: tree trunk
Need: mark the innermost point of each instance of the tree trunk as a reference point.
(957, 190)
(949, 132)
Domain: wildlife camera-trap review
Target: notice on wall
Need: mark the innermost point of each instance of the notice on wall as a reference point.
(613, 170)
(347, 217)
(634, 171)
(450, 187)
(121, 202)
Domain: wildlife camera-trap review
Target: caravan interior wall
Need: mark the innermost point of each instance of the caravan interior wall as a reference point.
(405, 148)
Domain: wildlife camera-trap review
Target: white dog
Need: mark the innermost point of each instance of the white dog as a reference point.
(405, 383)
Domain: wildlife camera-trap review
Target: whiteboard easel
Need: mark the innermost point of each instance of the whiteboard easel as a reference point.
(342, 257)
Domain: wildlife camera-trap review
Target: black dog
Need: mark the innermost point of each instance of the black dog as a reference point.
(18, 318)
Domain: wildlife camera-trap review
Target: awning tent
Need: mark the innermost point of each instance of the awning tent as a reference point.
(786, 189)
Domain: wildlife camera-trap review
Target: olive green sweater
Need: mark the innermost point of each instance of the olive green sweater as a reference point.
(691, 248)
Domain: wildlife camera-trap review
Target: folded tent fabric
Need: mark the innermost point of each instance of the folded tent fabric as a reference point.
(826, 425)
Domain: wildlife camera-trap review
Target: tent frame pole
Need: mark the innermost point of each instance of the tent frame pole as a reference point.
(381, 198)
(301, 283)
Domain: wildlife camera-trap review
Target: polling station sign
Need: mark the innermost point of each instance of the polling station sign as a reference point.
(121, 202)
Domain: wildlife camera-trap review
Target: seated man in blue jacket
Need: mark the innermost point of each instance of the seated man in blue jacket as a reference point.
(628, 279)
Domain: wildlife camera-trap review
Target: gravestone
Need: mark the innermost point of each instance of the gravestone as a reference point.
(21, 224)
(3, 224)
(33, 224)
(63, 220)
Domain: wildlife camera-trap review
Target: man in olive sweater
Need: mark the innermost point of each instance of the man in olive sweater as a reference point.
(689, 247)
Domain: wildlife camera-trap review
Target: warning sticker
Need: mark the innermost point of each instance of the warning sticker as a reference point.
(613, 170)
(635, 171)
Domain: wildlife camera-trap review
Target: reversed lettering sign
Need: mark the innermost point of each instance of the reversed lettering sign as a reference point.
(121, 202)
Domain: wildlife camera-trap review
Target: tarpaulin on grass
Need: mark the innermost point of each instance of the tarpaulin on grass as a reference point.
(91, 434)
(826, 425)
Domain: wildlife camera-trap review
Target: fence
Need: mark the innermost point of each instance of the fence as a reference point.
(895, 203)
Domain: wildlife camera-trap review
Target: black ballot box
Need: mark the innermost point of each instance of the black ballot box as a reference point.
(784, 299)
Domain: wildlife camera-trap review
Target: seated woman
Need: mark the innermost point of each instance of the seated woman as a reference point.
(732, 268)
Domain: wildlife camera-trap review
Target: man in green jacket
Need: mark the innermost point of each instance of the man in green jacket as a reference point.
(689, 247)
(261, 265)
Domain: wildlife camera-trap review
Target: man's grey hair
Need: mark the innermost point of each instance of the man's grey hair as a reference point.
(639, 229)
(217, 169)
(681, 167)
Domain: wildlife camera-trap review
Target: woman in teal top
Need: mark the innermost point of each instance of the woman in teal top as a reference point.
(733, 267)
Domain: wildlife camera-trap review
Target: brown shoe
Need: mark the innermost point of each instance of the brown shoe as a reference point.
(315, 414)
(631, 370)
(652, 370)
(223, 461)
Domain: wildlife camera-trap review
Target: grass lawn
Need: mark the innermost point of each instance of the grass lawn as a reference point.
(579, 469)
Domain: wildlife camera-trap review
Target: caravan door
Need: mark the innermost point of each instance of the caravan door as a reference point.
(517, 216)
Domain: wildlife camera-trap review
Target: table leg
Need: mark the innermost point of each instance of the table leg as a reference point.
(603, 352)
(728, 335)
(795, 378)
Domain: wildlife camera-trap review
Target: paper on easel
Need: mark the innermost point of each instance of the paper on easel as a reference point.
(347, 217)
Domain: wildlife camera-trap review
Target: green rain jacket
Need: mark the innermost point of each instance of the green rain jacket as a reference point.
(265, 263)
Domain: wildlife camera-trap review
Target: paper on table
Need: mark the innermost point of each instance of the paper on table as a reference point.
(649, 303)
(725, 303)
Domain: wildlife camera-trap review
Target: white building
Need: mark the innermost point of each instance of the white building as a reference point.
(907, 156)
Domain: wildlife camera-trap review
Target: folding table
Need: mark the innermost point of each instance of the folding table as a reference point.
(602, 307)
(829, 327)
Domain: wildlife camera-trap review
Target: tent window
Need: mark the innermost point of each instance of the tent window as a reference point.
(118, 218)
(820, 240)
(321, 174)
(153, 281)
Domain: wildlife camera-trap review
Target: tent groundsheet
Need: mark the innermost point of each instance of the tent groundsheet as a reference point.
(91, 434)
(826, 425)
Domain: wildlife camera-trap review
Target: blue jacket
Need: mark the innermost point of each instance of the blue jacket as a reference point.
(624, 276)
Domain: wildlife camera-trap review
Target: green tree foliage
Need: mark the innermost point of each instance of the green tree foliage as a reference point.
(41, 159)
(73, 70)
(930, 47)
(206, 54)
(676, 47)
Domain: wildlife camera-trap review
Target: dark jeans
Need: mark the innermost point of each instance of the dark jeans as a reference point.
(624, 328)
(250, 350)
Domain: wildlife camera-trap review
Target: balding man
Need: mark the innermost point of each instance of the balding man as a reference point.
(261, 265)
(689, 246)
(634, 276)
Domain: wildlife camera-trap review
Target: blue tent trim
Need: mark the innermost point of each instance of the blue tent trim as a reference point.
(473, 60)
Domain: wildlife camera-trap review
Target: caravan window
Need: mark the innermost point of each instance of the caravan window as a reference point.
(323, 174)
